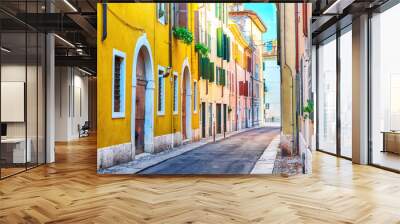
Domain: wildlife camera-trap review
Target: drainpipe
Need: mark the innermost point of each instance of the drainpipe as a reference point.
(285, 63)
(252, 73)
(236, 98)
(222, 67)
(170, 11)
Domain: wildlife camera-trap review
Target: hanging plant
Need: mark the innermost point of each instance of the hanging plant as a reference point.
(229, 109)
(201, 49)
(181, 33)
(308, 109)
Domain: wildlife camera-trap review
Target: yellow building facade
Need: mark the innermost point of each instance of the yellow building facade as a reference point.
(147, 80)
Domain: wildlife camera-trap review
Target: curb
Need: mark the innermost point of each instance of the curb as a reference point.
(266, 162)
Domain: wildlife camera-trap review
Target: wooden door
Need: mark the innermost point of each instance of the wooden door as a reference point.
(184, 134)
(203, 119)
(140, 104)
(219, 120)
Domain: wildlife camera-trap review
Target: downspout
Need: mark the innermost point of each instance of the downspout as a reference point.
(285, 63)
(294, 108)
(236, 98)
(104, 33)
(222, 69)
(170, 11)
(252, 73)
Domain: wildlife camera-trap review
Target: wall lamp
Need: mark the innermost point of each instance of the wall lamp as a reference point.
(70, 5)
(64, 40)
(5, 50)
(337, 7)
(85, 72)
(167, 72)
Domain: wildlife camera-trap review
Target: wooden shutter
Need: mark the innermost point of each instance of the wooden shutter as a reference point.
(196, 27)
(223, 46)
(223, 75)
(206, 68)
(212, 73)
(181, 17)
(200, 64)
(246, 88)
(228, 46)
(219, 41)
(249, 68)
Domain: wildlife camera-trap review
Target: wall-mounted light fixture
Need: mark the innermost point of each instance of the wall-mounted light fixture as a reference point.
(70, 5)
(64, 40)
(337, 7)
(5, 50)
(167, 72)
(84, 71)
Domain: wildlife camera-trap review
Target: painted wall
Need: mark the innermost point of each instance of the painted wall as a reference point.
(34, 125)
(217, 94)
(272, 79)
(71, 102)
(126, 24)
(288, 65)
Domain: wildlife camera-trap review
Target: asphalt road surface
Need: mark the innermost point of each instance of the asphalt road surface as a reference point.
(234, 155)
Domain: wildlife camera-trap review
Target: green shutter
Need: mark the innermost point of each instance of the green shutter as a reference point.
(201, 66)
(211, 69)
(207, 68)
(219, 42)
(221, 77)
(223, 46)
(228, 56)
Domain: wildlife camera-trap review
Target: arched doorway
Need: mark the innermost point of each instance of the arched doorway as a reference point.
(142, 119)
(186, 103)
(140, 102)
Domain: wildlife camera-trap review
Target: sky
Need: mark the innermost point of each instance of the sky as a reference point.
(267, 13)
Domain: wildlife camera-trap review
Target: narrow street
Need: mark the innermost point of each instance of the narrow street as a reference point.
(234, 155)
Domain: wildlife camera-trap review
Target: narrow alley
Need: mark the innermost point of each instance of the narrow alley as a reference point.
(235, 155)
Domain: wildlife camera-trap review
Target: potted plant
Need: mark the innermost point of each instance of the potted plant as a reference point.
(181, 33)
(201, 49)
(229, 109)
(308, 109)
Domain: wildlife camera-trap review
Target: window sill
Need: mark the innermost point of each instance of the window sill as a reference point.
(118, 115)
(161, 113)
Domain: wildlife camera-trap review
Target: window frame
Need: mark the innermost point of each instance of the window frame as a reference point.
(163, 19)
(120, 114)
(175, 93)
(162, 111)
(195, 93)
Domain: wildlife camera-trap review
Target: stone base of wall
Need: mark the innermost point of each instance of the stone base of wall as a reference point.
(196, 134)
(123, 153)
(114, 155)
(162, 142)
(177, 139)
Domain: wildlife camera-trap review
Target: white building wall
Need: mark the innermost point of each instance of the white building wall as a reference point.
(71, 102)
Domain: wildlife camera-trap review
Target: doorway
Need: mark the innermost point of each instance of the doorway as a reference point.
(219, 126)
(203, 119)
(186, 105)
(210, 119)
(142, 95)
(225, 117)
(140, 102)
